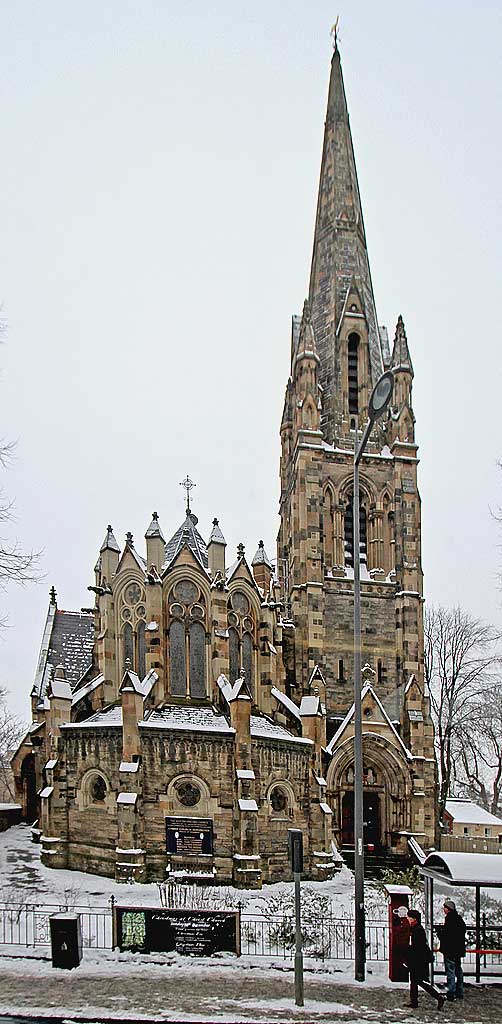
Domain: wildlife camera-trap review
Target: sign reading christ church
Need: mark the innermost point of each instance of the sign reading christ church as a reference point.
(188, 836)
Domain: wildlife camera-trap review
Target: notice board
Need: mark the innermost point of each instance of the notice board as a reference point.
(189, 932)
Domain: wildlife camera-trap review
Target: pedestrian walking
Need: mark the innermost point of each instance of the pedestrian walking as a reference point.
(419, 959)
(452, 945)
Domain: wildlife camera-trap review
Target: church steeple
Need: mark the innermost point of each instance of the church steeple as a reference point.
(341, 292)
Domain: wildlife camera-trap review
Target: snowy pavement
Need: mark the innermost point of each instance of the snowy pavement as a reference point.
(167, 987)
(105, 987)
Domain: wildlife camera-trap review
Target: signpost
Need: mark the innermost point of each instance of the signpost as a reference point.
(295, 850)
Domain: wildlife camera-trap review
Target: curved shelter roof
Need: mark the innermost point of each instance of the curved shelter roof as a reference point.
(483, 869)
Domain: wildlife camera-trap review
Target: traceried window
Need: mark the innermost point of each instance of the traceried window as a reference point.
(187, 640)
(241, 638)
(132, 628)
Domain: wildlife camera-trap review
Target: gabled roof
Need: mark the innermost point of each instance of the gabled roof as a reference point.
(287, 703)
(187, 534)
(468, 813)
(368, 689)
(68, 640)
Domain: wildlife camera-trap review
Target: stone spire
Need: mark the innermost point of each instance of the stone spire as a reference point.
(401, 359)
(109, 543)
(340, 280)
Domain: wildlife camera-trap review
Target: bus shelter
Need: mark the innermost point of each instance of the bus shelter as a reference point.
(473, 870)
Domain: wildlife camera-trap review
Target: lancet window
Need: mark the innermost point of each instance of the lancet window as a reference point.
(187, 640)
(132, 628)
(241, 637)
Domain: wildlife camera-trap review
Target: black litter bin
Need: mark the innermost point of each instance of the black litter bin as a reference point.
(66, 940)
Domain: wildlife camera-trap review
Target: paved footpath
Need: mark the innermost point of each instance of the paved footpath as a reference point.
(210, 992)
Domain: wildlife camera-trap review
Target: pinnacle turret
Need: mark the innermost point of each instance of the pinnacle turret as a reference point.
(401, 359)
(109, 543)
(154, 529)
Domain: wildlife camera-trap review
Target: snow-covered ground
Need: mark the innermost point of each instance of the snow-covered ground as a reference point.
(170, 987)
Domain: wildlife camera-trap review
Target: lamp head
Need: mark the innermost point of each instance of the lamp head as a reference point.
(381, 395)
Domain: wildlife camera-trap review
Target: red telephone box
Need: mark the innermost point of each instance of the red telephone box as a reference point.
(399, 931)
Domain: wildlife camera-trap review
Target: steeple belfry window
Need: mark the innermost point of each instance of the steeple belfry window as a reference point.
(349, 533)
(352, 364)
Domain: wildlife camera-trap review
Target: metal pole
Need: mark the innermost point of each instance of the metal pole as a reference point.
(360, 937)
(298, 945)
(478, 933)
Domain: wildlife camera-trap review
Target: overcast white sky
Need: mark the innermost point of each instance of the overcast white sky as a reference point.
(158, 186)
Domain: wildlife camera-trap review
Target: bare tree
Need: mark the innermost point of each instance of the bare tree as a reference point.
(16, 565)
(11, 732)
(460, 660)
(478, 769)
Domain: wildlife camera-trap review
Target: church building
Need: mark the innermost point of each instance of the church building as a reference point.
(204, 705)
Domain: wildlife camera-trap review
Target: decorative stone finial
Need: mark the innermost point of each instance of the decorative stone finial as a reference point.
(53, 595)
(129, 539)
(127, 665)
(240, 551)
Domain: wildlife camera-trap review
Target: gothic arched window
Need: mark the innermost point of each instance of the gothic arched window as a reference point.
(352, 359)
(241, 635)
(132, 616)
(187, 640)
(197, 640)
(177, 659)
(328, 529)
(140, 647)
(128, 646)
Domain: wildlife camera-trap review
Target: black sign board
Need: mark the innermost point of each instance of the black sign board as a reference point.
(190, 932)
(189, 835)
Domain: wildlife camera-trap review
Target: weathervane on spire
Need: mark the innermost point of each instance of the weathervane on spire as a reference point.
(334, 32)
(188, 485)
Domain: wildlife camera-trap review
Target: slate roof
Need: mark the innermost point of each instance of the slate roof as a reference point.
(71, 644)
(187, 533)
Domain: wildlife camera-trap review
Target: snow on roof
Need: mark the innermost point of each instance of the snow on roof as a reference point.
(310, 706)
(247, 805)
(87, 688)
(350, 714)
(265, 728)
(468, 813)
(67, 640)
(188, 719)
(466, 868)
(289, 704)
(127, 798)
(110, 716)
(60, 688)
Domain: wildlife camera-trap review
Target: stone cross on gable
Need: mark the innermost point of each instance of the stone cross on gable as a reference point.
(188, 485)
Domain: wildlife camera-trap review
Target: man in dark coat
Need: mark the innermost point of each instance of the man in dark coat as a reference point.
(419, 960)
(452, 945)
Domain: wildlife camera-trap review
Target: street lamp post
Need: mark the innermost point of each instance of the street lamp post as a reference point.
(379, 400)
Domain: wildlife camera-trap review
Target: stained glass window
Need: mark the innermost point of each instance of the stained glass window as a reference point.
(197, 660)
(247, 658)
(233, 651)
(140, 633)
(128, 646)
(177, 659)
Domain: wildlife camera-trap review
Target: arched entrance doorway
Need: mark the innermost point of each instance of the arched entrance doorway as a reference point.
(29, 784)
(386, 793)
